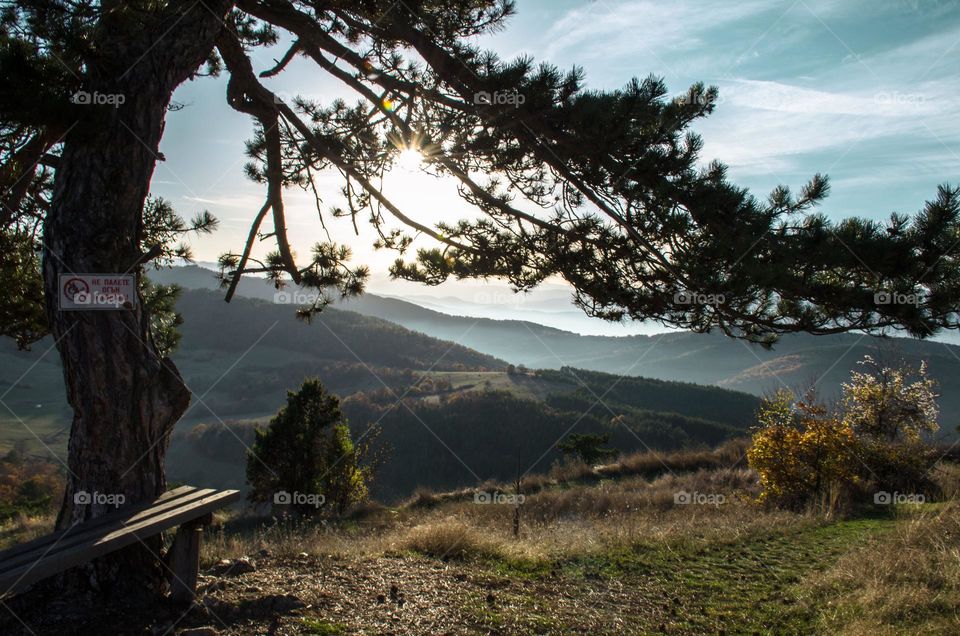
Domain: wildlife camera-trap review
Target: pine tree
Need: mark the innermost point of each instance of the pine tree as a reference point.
(587, 448)
(306, 456)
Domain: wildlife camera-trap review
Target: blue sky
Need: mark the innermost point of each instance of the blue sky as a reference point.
(865, 91)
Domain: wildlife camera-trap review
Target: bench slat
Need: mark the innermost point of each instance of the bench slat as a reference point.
(19, 578)
(113, 521)
(48, 539)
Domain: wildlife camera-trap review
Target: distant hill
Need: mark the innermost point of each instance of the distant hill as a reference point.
(796, 362)
(471, 419)
(461, 415)
(239, 360)
(465, 428)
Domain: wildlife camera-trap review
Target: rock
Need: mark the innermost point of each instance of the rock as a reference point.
(226, 567)
(285, 603)
(199, 631)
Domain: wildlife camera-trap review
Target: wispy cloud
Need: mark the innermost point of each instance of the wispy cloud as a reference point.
(896, 102)
(619, 29)
(242, 201)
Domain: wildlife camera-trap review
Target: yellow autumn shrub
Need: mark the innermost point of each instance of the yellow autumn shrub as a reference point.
(801, 451)
(807, 453)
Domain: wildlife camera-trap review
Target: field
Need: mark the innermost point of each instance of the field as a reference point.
(599, 552)
(528, 387)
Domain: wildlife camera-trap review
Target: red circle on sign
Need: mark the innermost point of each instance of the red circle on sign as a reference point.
(75, 286)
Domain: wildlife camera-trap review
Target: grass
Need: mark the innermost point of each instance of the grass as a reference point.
(530, 387)
(756, 581)
(447, 539)
(609, 551)
(730, 568)
(22, 528)
(318, 626)
(904, 580)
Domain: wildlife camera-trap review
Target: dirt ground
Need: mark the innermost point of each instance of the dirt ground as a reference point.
(385, 595)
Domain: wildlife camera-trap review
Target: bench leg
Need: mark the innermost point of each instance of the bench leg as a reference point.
(184, 559)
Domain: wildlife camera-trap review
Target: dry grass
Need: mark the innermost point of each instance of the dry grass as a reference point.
(907, 579)
(423, 498)
(574, 510)
(581, 515)
(22, 528)
(947, 478)
(870, 574)
(729, 455)
(581, 519)
(449, 538)
(647, 464)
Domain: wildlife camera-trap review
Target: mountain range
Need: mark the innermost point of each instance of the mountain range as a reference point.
(796, 361)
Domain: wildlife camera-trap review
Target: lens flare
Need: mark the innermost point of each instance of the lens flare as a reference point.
(409, 159)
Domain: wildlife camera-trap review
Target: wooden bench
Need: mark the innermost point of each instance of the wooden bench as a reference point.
(187, 507)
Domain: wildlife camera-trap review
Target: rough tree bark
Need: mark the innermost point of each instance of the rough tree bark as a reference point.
(125, 397)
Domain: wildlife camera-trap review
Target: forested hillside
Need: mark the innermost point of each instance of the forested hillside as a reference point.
(444, 436)
(797, 361)
(238, 360)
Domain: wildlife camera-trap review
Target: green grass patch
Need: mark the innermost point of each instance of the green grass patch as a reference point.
(751, 585)
(512, 612)
(319, 626)
(515, 568)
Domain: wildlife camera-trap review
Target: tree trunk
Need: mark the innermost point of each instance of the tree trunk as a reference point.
(125, 397)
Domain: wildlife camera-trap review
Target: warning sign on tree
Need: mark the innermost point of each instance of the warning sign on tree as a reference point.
(97, 291)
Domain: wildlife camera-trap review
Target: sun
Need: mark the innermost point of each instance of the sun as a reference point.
(409, 160)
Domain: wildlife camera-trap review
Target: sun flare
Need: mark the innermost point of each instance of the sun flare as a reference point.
(409, 160)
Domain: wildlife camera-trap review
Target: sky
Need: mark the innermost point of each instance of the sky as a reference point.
(865, 91)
